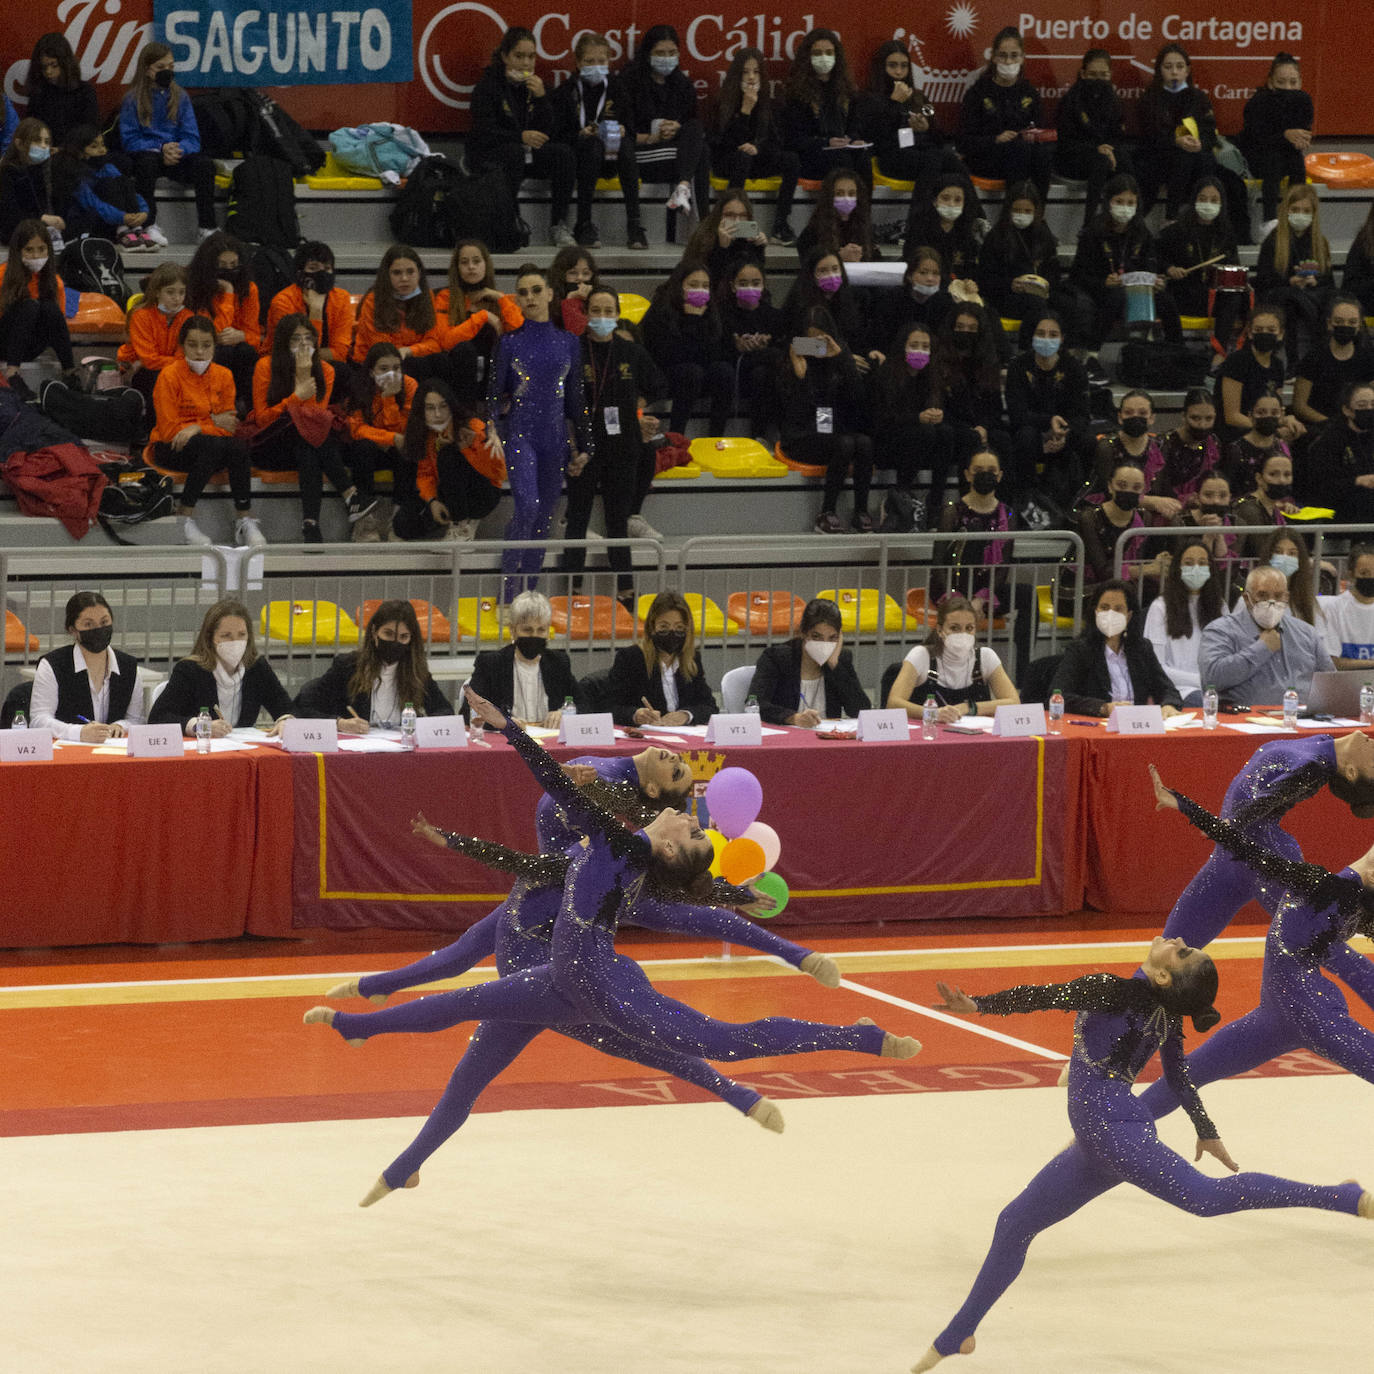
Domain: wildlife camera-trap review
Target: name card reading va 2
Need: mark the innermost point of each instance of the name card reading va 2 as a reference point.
(728, 727)
(25, 746)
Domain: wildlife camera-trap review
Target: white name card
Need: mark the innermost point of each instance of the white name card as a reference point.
(1136, 720)
(734, 728)
(310, 736)
(594, 730)
(883, 724)
(156, 742)
(25, 746)
(1020, 721)
(440, 732)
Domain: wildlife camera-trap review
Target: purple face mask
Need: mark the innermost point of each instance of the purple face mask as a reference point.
(749, 295)
(830, 283)
(696, 296)
(846, 205)
(917, 358)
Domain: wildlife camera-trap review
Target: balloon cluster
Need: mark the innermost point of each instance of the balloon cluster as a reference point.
(746, 850)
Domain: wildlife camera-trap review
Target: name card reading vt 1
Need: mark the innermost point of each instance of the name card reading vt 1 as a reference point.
(734, 728)
(1136, 720)
(310, 736)
(25, 746)
(883, 724)
(440, 732)
(1012, 722)
(156, 742)
(596, 729)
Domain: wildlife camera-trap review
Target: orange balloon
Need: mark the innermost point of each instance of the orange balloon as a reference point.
(741, 861)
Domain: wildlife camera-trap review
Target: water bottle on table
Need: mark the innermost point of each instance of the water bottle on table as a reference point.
(569, 708)
(1056, 725)
(1366, 704)
(751, 707)
(204, 728)
(930, 719)
(408, 726)
(1290, 709)
(20, 722)
(1210, 703)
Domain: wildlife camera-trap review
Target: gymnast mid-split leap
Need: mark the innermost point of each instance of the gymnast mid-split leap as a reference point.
(1121, 1024)
(583, 982)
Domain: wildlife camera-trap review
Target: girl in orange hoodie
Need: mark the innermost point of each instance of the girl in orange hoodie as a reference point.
(218, 284)
(377, 423)
(31, 300)
(474, 314)
(155, 328)
(399, 309)
(193, 401)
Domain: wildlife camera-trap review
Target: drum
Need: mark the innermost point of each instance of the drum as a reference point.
(1230, 277)
(1140, 297)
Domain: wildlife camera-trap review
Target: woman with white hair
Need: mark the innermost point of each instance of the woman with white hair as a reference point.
(526, 679)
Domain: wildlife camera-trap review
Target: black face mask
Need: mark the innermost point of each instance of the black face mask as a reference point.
(1197, 435)
(1134, 426)
(391, 650)
(1213, 509)
(1363, 419)
(97, 640)
(96, 163)
(1365, 586)
(985, 483)
(1278, 491)
(1267, 425)
(531, 646)
(323, 282)
(669, 642)
(237, 279)
(1345, 333)
(964, 342)
(1264, 341)
(164, 79)
(1126, 500)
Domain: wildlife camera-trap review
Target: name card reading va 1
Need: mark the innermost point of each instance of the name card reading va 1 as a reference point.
(156, 742)
(886, 723)
(590, 731)
(1136, 720)
(310, 736)
(440, 732)
(1021, 721)
(729, 727)
(25, 746)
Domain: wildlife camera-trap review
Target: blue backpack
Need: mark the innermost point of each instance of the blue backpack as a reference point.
(388, 151)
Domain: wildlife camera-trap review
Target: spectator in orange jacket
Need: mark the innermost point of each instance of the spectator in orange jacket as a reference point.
(450, 475)
(329, 308)
(31, 301)
(377, 417)
(294, 425)
(193, 401)
(473, 314)
(218, 284)
(399, 309)
(155, 328)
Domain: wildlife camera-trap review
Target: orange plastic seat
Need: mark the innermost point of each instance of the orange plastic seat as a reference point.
(765, 613)
(806, 469)
(592, 617)
(989, 183)
(97, 314)
(434, 624)
(919, 609)
(277, 477)
(17, 638)
(1346, 170)
(809, 184)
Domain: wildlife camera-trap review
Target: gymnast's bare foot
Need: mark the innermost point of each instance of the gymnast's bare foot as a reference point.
(342, 991)
(768, 1114)
(822, 968)
(381, 1188)
(318, 1016)
(900, 1046)
(932, 1357)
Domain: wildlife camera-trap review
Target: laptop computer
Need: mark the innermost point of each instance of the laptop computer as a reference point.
(1338, 694)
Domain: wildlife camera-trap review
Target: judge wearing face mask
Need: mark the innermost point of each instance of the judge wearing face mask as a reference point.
(811, 677)
(660, 681)
(527, 680)
(223, 674)
(949, 666)
(1340, 463)
(1112, 663)
(87, 690)
(1258, 651)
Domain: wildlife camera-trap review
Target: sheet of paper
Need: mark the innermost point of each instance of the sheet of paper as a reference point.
(1185, 720)
(1340, 722)
(1246, 727)
(375, 742)
(695, 731)
(540, 733)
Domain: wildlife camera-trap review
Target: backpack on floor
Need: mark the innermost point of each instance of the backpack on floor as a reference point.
(276, 134)
(262, 203)
(440, 204)
(109, 417)
(903, 511)
(134, 495)
(270, 268)
(94, 264)
(225, 117)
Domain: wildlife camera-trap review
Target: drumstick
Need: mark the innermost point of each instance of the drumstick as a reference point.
(1220, 257)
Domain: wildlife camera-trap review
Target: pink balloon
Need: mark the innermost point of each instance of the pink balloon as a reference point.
(734, 797)
(767, 839)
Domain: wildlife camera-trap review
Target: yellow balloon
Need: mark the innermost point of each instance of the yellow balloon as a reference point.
(718, 843)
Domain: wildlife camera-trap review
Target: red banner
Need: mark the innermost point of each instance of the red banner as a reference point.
(949, 43)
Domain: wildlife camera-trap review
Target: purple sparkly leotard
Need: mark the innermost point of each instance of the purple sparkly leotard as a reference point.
(1119, 1029)
(1299, 1007)
(536, 390)
(1277, 777)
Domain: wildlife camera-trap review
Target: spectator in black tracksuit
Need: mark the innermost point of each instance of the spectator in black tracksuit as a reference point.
(1277, 132)
(892, 103)
(683, 333)
(950, 222)
(908, 420)
(753, 337)
(820, 111)
(1201, 233)
(1092, 129)
(998, 111)
(57, 94)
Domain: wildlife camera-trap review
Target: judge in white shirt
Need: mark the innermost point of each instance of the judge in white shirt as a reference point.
(526, 679)
(87, 690)
(1346, 621)
(963, 679)
(1191, 598)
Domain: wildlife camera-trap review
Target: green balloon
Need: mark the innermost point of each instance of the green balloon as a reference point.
(771, 885)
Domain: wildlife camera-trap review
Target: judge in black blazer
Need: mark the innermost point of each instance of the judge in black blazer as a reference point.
(527, 680)
(372, 684)
(659, 681)
(810, 678)
(1112, 663)
(224, 674)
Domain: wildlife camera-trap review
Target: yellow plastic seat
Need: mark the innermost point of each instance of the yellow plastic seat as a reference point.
(332, 177)
(684, 472)
(1196, 322)
(135, 301)
(478, 617)
(632, 306)
(1044, 599)
(738, 458)
(606, 185)
(755, 186)
(708, 619)
(1010, 326)
(892, 183)
(307, 622)
(861, 610)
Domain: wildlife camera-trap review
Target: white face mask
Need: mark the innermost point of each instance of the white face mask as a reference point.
(231, 652)
(1195, 576)
(820, 650)
(1123, 214)
(1267, 614)
(38, 264)
(1299, 221)
(388, 381)
(823, 62)
(1111, 623)
(438, 426)
(199, 365)
(958, 645)
(1022, 220)
(949, 213)
(1207, 210)
(1009, 71)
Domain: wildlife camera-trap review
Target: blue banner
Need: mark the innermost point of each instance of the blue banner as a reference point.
(314, 42)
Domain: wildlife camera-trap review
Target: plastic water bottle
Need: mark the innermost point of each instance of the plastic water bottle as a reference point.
(751, 707)
(569, 707)
(203, 730)
(930, 719)
(21, 721)
(1056, 725)
(1290, 709)
(408, 726)
(1366, 704)
(1210, 703)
